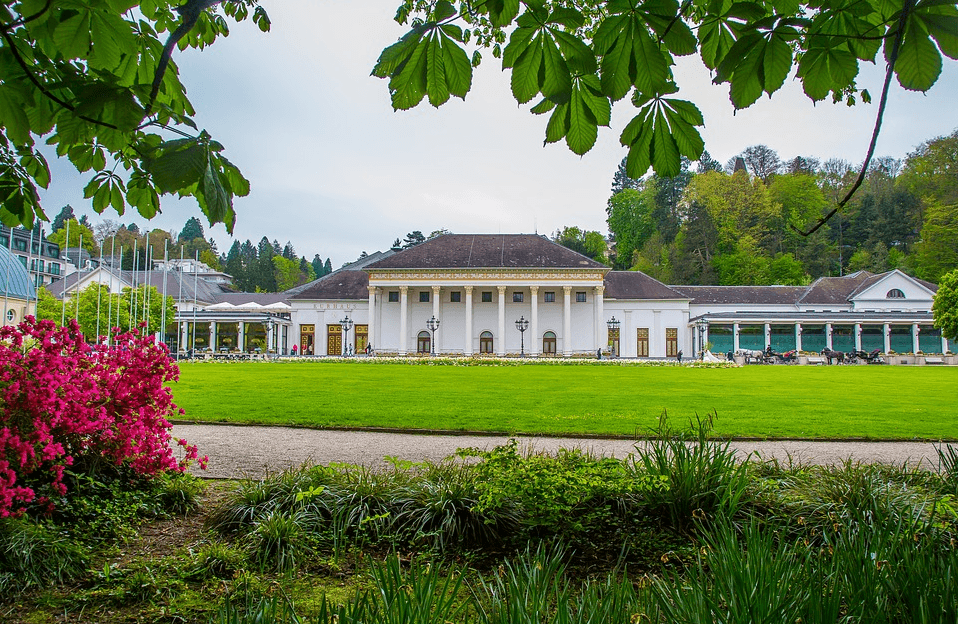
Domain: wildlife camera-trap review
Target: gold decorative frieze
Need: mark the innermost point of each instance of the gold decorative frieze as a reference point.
(487, 274)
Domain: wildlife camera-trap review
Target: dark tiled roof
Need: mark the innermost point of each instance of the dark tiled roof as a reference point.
(376, 256)
(342, 284)
(460, 251)
(637, 285)
(178, 285)
(746, 295)
(837, 290)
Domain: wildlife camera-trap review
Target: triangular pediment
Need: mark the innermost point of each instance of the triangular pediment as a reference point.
(893, 286)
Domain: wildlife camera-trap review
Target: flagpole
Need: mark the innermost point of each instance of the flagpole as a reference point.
(63, 294)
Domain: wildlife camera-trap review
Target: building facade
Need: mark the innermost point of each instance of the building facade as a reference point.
(39, 256)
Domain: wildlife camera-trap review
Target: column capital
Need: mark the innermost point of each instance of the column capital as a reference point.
(599, 290)
(373, 290)
(502, 290)
(468, 289)
(567, 289)
(404, 289)
(435, 290)
(534, 290)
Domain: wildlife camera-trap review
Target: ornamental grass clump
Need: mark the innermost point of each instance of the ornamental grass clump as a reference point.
(67, 405)
(701, 477)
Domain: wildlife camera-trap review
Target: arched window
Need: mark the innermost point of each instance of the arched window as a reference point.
(422, 345)
(485, 342)
(549, 343)
(11, 316)
(895, 293)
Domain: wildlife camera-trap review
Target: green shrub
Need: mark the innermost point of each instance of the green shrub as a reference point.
(702, 478)
(35, 553)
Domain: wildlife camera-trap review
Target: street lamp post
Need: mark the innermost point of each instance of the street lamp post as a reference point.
(346, 324)
(613, 324)
(701, 324)
(522, 325)
(268, 325)
(432, 324)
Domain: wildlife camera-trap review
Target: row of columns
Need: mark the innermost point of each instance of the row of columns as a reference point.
(857, 332)
(281, 332)
(599, 322)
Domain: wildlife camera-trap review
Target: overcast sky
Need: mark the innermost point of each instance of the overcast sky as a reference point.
(335, 171)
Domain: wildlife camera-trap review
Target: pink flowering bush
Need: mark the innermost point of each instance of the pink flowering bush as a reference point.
(67, 405)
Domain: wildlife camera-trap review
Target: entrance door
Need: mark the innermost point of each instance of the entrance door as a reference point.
(362, 338)
(307, 335)
(549, 343)
(614, 341)
(642, 342)
(671, 341)
(485, 342)
(422, 343)
(334, 340)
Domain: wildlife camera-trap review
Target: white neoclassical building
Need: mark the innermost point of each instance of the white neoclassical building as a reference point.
(478, 285)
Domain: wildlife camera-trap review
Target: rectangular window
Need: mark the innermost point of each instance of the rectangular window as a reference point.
(23, 261)
(35, 247)
(517, 297)
(55, 268)
(41, 266)
(393, 296)
(671, 342)
(20, 244)
(455, 296)
(549, 296)
(580, 297)
(423, 296)
(487, 296)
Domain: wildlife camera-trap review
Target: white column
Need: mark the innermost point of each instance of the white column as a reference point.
(601, 329)
(371, 330)
(768, 335)
(241, 336)
(886, 330)
(828, 335)
(627, 337)
(798, 336)
(858, 336)
(213, 335)
(567, 320)
(735, 343)
(914, 338)
(536, 341)
(467, 349)
(657, 335)
(185, 331)
(944, 344)
(403, 318)
(269, 338)
(435, 312)
(501, 338)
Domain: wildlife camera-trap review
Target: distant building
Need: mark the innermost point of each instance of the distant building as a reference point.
(39, 256)
(17, 289)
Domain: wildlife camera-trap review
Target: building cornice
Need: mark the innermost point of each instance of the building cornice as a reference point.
(462, 276)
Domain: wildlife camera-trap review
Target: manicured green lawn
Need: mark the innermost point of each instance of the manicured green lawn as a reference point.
(765, 401)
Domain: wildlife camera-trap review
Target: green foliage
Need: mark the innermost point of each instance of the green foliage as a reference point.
(630, 222)
(566, 493)
(78, 233)
(588, 243)
(98, 83)
(945, 306)
(581, 58)
(36, 553)
(702, 478)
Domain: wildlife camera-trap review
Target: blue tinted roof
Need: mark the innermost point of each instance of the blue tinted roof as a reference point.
(14, 279)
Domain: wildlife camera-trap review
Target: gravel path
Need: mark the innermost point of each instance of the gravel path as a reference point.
(240, 451)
